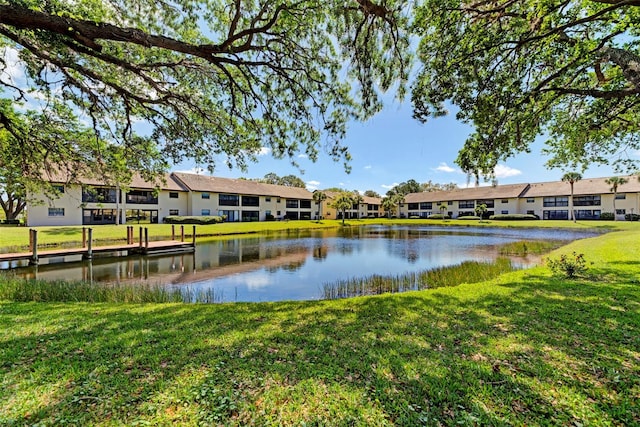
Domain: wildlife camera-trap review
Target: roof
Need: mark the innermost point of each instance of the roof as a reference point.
(475, 193)
(582, 187)
(205, 183)
(366, 199)
(163, 182)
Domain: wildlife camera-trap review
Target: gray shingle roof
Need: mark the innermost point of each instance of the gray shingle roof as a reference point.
(213, 184)
(582, 187)
(474, 193)
(163, 182)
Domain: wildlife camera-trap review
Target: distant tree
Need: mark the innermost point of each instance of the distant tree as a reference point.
(431, 186)
(357, 201)
(571, 178)
(270, 178)
(342, 202)
(389, 206)
(371, 193)
(404, 188)
(287, 180)
(481, 209)
(615, 182)
(443, 208)
(319, 197)
(334, 189)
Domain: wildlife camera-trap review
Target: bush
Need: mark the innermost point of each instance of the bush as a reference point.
(568, 265)
(269, 217)
(439, 216)
(632, 217)
(196, 220)
(607, 216)
(469, 217)
(414, 217)
(513, 217)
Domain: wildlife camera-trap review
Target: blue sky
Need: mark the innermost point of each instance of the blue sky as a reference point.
(392, 147)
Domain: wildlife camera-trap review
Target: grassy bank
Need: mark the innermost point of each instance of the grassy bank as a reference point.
(17, 238)
(524, 349)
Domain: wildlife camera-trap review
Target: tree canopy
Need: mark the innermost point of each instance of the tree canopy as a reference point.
(206, 79)
(287, 180)
(519, 69)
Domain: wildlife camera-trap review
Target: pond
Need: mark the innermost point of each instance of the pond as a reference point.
(296, 265)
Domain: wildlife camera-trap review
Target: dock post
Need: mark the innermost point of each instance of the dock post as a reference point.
(84, 237)
(30, 239)
(182, 233)
(140, 240)
(194, 236)
(173, 232)
(89, 254)
(34, 254)
(146, 239)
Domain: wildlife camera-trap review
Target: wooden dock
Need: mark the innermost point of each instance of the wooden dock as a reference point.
(88, 250)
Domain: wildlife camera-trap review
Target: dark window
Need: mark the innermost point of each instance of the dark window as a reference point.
(267, 199)
(531, 200)
(373, 207)
(291, 215)
(206, 196)
(621, 196)
(588, 214)
(305, 204)
(59, 188)
(466, 204)
(142, 197)
(450, 203)
(426, 205)
(563, 214)
(505, 200)
(98, 194)
(228, 200)
(248, 216)
(489, 202)
(586, 201)
(413, 206)
(205, 212)
(531, 213)
(174, 212)
(174, 195)
(549, 202)
(250, 201)
(504, 212)
(56, 211)
(292, 204)
(620, 211)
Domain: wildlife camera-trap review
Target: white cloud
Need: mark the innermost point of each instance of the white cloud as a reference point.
(390, 186)
(443, 167)
(264, 151)
(368, 167)
(303, 156)
(13, 66)
(312, 185)
(197, 170)
(341, 184)
(504, 171)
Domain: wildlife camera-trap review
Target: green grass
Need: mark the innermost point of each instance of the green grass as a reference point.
(526, 348)
(529, 247)
(17, 238)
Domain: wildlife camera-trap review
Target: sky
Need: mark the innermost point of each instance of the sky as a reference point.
(391, 148)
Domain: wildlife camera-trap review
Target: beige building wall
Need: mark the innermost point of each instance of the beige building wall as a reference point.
(63, 210)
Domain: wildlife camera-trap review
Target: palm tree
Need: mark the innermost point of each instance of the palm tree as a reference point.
(398, 199)
(615, 182)
(319, 197)
(357, 200)
(342, 202)
(443, 207)
(571, 178)
(388, 205)
(481, 209)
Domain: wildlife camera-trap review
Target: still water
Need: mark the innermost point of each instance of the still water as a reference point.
(295, 265)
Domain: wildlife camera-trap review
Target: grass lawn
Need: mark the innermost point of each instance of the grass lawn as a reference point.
(524, 349)
(13, 239)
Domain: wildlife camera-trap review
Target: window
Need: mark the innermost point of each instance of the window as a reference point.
(174, 212)
(426, 205)
(142, 197)
(531, 200)
(466, 204)
(562, 214)
(205, 212)
(278, 201)
(588, 214)
(550, 202)
(531, 212)
(250, 201)
(305, 204)
(206, 196)
(505, 200)
(58, 188)
(413, 206)
(504, 212)
(98, 194)
(174, 195)
(372, 207)
(56, 211)
(228, 200)
(450, 203)
(620, 211)
(250, 216)
(586, 201)
(489, 202)
(267, 199)
(292, 204)
(621, 196)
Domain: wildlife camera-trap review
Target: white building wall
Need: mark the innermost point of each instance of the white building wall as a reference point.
(166, 204)
(70, 201)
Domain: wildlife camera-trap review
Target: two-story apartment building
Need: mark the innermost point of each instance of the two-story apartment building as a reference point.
(370, 207)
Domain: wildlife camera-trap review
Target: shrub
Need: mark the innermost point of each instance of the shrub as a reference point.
(196, 220)
(513, 217)
(470, 217)
(632, 217)
(568, 265)
(269, 217)
(439, 216)
(414, 217)
(607, 216)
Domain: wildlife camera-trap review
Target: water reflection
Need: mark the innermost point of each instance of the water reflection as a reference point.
(295, 264)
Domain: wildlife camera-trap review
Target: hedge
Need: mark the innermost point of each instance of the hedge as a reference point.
(513, 217)
(471, 217)
(197, 220)
(439, 216)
